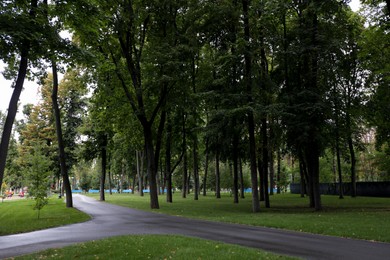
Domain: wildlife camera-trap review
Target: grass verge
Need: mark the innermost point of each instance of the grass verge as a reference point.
(153, 247)
(362, 217)
(18, 216)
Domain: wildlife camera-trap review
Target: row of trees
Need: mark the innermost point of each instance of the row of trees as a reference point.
(180, 85)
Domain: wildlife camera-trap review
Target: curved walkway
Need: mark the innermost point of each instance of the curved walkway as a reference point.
(111, 220)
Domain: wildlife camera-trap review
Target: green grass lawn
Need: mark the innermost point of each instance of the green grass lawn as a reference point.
(153, 247)
(17, 216)
(362, 217)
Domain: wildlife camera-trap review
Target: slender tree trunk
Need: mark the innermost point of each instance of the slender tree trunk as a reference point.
(217, 177)
(353, 167)
(140, 170)
(341, 193)
(242, 191)
(206, 168)
(235, 168)
(168, 158)
(251, 123)
(159, 139)
(279, 159)
(271, 172)
(61, 145)
(196, 170)
(13, 104)
(109, 175)
(104, 167)
(185, 159)
(265, 161)
(302, 177)
(185, 174)
(133, 186)
(264, 123)
(261, 177)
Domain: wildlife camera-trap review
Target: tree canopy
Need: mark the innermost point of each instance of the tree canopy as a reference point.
(179, 94)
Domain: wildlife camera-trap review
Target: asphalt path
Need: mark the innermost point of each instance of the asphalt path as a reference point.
(110, 220)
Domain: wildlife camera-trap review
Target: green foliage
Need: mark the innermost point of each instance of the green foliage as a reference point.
(38, 174)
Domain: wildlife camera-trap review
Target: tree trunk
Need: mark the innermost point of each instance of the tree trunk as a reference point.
(151, 167)
(279, 159)
(251, 123)
(265, 160)
(185, 159)
(109, 175)
(313, 171)
(185, 175)
(261, 177)
(133, 186)
(241, 180)
(341, 193)
(61, 145)
(13, 104)
(159, 137)
(206, 168)
(104, 166)
(235, 168)
(312, 146)
(217, 177)
(271, 173)
(264, 122)
(168, 158)
(140, 170)
(196, 170)
(353, 167)
(302, 177)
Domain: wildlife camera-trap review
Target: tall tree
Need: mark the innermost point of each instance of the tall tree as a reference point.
(22, 38)
(60, 141)
(251, 123)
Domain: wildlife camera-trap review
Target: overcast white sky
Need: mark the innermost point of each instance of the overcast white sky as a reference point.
(30, 92)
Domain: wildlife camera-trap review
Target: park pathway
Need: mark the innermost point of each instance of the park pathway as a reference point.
(111, 220)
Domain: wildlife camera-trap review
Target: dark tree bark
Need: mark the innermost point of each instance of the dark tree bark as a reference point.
(312, 156)
(271, 173)
(168, 158)
(196, 169)
(302, 179)
(353, 166)
(109, 175)
(133, 185)
(151, 167)
(13, 104)
(251, 123)
(339, 171)
(185, 161)
(242, 190)
(264, 122)
(279, 160)
(206, 168)
(265, 161)
(61, 144)
(140, 169)
(217, 177)
(235, 167)
(104, 168)
(261, 177)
